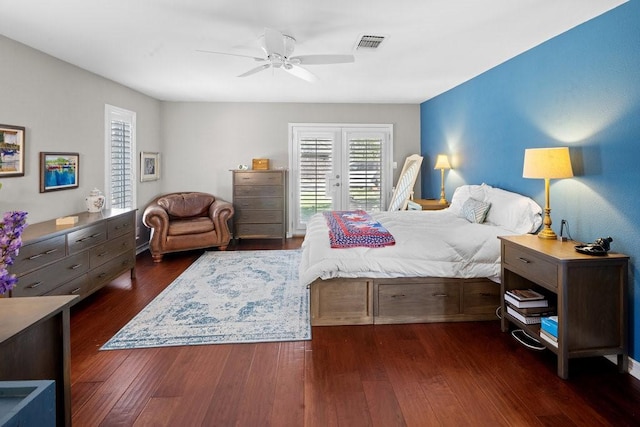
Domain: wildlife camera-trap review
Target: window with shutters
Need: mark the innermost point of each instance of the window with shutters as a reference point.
(338, 168)
(120, 149)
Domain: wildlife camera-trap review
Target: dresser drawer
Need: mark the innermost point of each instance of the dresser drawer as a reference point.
(258, 203)
(35, 255)
(87, 237)
(48, 278)
(121, 225)
(73, 287)
(260, 230)
(111, 269)
(264, 217)
(257, 191)
(104, 252)
(530, 266)
(417, 300)
(260, 178)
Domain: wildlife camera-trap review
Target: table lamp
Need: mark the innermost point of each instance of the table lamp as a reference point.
(442, 163)
(547, 163)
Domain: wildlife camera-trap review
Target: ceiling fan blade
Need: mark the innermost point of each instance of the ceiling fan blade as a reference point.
(274, 42)
(322, 59)
(301, 73)
(255, 70)
(255, 58)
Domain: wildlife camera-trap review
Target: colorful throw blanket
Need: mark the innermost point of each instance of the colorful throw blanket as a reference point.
(356, 228)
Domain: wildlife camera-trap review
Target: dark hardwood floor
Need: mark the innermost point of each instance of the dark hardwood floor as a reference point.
(453, 374)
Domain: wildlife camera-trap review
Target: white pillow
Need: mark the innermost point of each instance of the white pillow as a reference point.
(462, 194)
(512, 211)
(475, 210)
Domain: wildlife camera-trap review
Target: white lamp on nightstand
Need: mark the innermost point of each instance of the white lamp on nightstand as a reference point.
(442, 163)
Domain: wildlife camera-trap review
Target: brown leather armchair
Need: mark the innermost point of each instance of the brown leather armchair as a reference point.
(185, 221)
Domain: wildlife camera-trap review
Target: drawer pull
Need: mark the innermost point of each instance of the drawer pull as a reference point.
(102, 254)
(526, 261)
(439, 295)
(125, 225)
(50, 251)
(35, 285)
(75, 291)
(486, 294)
(35, 256)
(95, 235)
(76, 266)
(101, 275)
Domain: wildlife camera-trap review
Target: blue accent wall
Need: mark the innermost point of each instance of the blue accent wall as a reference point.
(580, 89)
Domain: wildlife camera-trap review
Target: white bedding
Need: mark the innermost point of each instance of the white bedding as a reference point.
(428, 244)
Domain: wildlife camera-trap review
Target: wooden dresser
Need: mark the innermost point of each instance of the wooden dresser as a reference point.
(75, 259)
(259, 200)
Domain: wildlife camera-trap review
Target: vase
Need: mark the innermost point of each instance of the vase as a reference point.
(94, 201)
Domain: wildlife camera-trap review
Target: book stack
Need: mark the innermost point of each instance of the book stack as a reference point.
(527, 305)
(549, 329)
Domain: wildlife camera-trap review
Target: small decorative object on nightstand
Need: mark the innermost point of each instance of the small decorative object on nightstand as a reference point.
(431, 204)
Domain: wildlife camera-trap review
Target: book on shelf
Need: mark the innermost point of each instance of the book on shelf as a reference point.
(550, 324)
(525, 304)
(548, 338)
(527, 320)
(534, 311)
(525, 294)
(548, 335)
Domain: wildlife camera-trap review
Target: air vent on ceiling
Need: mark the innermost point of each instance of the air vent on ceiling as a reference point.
(369, 42)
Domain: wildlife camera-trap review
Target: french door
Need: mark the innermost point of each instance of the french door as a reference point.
(338, 167)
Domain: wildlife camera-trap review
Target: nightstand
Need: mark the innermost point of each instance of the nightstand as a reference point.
(590, 293)
(431, 204)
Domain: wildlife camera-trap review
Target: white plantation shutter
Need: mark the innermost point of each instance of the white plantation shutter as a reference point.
(365, 174)
(120, 156)
(316, 164)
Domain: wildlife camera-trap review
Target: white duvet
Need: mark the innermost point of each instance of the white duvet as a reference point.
(428, 244)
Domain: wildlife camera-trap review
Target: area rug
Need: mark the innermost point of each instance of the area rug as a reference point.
(225, 297)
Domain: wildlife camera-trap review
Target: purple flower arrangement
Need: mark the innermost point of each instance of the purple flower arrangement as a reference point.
(12, 225)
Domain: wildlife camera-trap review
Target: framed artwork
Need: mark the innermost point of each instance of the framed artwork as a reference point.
(59, 171)
(149, 166)
(11, 151)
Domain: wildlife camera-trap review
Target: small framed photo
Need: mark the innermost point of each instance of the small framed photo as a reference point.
(11, 151)
(149, 166)
(59, 171)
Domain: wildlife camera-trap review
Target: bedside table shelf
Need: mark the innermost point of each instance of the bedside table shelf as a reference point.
(431, 204)
(590, 294)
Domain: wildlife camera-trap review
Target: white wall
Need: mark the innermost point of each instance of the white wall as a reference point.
(62, 108)
(203, 141)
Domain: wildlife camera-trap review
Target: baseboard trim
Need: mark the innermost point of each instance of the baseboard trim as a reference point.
(634, 366)
(142, 248)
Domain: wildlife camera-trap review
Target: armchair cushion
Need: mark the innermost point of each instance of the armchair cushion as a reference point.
(186, 204)
(181, 227)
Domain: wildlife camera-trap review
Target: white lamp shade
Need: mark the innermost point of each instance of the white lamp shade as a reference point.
(547, 163)
(442, 162)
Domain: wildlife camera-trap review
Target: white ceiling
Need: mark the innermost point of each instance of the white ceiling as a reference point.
(150, 45)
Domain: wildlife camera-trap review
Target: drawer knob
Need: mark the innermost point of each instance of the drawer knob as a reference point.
(439, 295)
(526, 261)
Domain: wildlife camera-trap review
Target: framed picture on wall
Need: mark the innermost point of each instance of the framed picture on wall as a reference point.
(59, 171)
(149, 166)
(11, 151)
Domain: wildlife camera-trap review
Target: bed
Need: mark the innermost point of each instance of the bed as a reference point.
(444, 265)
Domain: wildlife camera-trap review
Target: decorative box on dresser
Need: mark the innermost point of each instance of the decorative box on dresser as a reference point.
(259, 200)
(75, 259)
(590, 293)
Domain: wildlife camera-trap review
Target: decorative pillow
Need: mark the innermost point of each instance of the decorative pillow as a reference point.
(512, 211)
(462, 194)
(475, 210)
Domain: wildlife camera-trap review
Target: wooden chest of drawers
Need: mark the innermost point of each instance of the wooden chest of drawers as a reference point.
(259, 200)
(75, 260)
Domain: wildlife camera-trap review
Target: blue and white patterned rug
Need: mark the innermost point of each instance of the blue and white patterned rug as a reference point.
(225, 297)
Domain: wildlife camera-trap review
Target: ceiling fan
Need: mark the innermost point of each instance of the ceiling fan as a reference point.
(278, 48)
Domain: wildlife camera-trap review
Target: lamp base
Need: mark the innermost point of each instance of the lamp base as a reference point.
(443, 201)
(547, 233)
